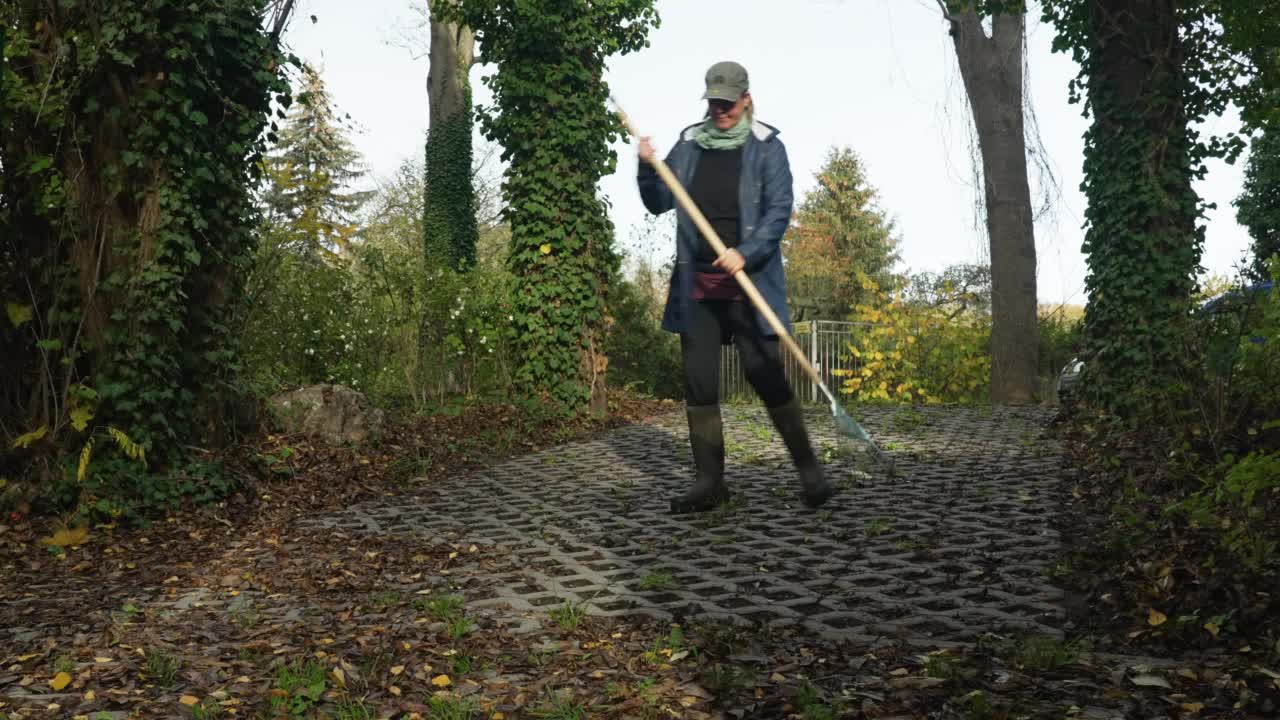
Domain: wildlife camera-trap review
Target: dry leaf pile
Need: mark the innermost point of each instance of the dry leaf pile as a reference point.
(234, 611)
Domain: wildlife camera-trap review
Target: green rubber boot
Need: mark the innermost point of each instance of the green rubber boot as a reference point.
(706, 438)
(815, 488)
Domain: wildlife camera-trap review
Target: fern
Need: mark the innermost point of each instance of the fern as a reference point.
(131, 449)
(85, 453)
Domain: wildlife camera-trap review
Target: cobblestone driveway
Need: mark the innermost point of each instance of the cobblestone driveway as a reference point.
(959, 543)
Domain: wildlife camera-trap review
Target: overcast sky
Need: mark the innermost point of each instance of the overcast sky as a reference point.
(878, 76)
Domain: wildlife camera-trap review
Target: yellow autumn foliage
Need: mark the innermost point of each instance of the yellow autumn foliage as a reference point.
(918, 353)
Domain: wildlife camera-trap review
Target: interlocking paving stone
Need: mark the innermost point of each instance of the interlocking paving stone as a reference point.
(957, 544)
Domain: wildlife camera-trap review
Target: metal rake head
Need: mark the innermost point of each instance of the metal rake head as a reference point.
(846, 426)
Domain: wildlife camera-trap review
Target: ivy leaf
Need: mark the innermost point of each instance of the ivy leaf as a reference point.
(18, 314)
(80, 418)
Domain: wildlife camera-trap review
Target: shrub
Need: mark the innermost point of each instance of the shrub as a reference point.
(926, 341)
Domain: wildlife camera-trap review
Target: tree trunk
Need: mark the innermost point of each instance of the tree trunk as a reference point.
(450, 230)
(452, 53)
(991, 68)
(1142, 244)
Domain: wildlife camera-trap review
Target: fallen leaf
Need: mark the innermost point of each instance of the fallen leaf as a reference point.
(397, 669)
(67, 537)
(1193, 707)
(1151, 681)
(1155, 618)
(339, 676)
(188, 700)
(90, 695)
(394, 690)
(916, 683)
(1212, 628)
(441, 681)
(60, 681)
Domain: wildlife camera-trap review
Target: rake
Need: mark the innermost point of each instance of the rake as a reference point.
(845, 425)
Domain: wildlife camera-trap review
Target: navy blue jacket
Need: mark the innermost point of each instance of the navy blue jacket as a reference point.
(765, 202)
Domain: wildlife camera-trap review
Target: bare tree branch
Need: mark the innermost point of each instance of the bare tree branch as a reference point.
(281, 12)
(946, 14)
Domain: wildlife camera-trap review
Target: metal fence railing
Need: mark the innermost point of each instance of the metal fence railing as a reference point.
(825, 342)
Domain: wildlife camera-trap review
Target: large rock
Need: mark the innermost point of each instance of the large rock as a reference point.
(335, 413)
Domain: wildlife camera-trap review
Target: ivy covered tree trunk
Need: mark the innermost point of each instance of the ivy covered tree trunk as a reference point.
(1142, 243)
(991, 67)
(1258, 207)
(128, 151)
(450, 214)
(555, 127)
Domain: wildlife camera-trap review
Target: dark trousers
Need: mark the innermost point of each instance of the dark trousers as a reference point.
(711, 321)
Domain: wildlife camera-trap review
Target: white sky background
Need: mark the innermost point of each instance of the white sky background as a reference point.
(878, 76)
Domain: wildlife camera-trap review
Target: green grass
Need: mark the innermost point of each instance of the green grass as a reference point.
(721, 514)
(721, 678)
(245, 615)
(876, 527)
(539, 658)
(304, 685)
(657, 581)
(442, 608)
(161, 666)
(461, 664)
(569, 615)
(385, 599)
(666, 645)
(909, 544)
(561, 706)
(63, 663)
(942, 666)
(759, 432)
(448, 707)
(459, 626)
(207, 711)
(1040, 653)
(811, 705)
(352, 710)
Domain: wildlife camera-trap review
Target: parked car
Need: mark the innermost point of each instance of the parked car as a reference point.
(1213, 313)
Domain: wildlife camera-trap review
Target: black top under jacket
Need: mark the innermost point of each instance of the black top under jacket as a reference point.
(715, 190)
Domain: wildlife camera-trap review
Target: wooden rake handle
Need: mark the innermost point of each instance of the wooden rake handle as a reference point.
(709, 233)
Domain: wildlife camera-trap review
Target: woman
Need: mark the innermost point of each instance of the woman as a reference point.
(736, 170)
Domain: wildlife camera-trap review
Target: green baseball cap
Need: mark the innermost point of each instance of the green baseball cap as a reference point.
(726, 81)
